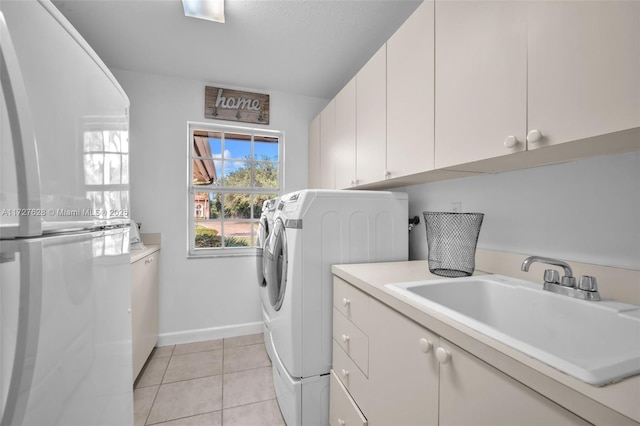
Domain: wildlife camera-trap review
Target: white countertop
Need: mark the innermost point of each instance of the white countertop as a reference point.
(614, 404)
(141, 254)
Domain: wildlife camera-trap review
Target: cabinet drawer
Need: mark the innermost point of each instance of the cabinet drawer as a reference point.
(350, 375)
(343, 410)
(352, 340)
(351, 302)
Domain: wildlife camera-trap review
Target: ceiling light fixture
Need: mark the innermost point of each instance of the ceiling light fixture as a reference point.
(211, 10)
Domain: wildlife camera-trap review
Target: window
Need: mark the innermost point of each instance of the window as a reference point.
(232, 171)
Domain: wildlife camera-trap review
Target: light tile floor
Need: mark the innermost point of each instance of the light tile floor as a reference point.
(226, 382)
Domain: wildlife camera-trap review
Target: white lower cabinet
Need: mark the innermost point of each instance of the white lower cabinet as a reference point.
(144, 309)
(403, 374)
(415, 377)
(474, 393)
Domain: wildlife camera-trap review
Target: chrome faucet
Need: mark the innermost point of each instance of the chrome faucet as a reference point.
(568, 280)
(586, 289)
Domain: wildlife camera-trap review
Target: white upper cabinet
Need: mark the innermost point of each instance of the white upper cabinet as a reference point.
(584, 68)
(514, 76)
(327, 146)
(471, 83)
(344, 154)
(480, 80)
(371, 122)
(314, 154)
(410, 106)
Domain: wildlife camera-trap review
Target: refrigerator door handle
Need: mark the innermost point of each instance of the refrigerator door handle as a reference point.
(24, 142)
(28, 332)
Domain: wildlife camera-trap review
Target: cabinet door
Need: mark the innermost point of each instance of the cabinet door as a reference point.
(327, 145)
(138, 273)
(345, 143)
(371, 122)
(584, 68)
(314, 154)
(481, 80)
(144, 309)
(403, 371)
(473, 392)
(410, 94)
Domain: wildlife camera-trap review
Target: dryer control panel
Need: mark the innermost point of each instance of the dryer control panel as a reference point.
(289, 202)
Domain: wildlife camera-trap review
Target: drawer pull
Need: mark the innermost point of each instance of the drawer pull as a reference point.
(341, 422)
(345, 302)
(345, 338)
(345, 373)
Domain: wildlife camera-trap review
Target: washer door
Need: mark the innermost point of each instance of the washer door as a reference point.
(276, 270)
(263, 233)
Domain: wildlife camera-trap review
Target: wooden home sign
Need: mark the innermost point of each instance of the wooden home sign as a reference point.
(234, 105)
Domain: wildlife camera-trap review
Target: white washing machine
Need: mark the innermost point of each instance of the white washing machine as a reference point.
(265, 227)
(314, 229)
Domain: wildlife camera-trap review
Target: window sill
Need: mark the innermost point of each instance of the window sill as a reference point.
(228, 252)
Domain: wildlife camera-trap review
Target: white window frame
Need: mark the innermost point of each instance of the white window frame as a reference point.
(192, 126)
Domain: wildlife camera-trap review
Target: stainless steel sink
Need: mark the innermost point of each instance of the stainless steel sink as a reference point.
(596, 342)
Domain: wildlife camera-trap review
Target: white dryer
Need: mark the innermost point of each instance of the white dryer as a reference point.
(265, 226)
(314, 229)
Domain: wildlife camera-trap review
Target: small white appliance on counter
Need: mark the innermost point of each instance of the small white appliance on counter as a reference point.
(314, 229)
(65, 343)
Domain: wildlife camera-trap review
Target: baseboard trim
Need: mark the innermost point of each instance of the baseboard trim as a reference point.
(214, 333)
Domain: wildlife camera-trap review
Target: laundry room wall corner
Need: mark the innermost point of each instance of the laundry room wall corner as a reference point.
(209, 297)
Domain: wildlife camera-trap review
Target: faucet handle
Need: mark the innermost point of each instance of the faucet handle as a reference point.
(551, 276)
(588, 283)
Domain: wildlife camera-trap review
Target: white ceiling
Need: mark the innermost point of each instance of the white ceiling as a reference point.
(306, 47)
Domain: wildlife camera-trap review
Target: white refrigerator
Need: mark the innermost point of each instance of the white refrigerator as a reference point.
(65, 342)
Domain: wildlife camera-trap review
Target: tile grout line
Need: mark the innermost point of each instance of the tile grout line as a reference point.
(146, 420)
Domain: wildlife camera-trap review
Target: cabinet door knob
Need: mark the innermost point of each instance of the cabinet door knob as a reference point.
(425, 345)
(345, 373)
(511, 141)
(387, 174)
(534, 136)
(443, 355)
(345, 301)
(345, 338)
(341, 422)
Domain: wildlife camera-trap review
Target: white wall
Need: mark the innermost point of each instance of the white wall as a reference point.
(199, 298)
(587, 210)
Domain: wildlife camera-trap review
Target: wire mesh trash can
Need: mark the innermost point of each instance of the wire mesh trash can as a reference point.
(451, 240)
